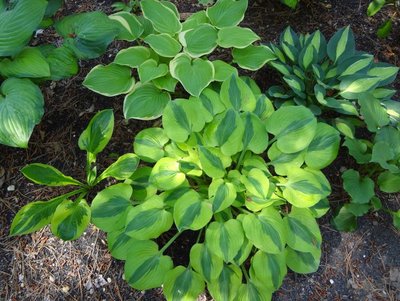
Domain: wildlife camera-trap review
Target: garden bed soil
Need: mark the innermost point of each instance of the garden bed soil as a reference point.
(363, 265)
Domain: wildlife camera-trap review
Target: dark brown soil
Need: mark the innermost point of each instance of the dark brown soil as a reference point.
(364, 265)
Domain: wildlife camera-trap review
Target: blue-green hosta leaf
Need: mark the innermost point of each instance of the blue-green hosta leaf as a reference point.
(148, 220)
(353, 85)
(199, 41)
(236, 94)
(183, 284)
(221, 194)
(183, 117)
(110, 207)
(191, 212)
(223, 71)
(30, 62)
(149, 144)
(343, 106)
(303, 262)
(70, 219)
(225, 288)
(21, 108)
(98, 133)
(358, 149)
(109, 80)
(140, 182)
(382, 154)
(34, 216)
(389, 182)
(62, 63)
(253, 292)
(290, 43)
(128, 25)
(121, 169)
(225, 239)
(205, 262)
(213, 161)
(374, 113)
(302, 231)
(134, 56)
(145, 102)
(87, 34)
(162, 17)
(268, 269)
(236, 37)
(150, 70)
(166, 174)
(341, 45)
(255, 137)
(119, 244)
(391, 136)
(18, 24)
(266, 230)
(145, 266)
(354, 64)
(318, 41)
(296, 84)
(227, 13)
(360, 189)
(163, 44)
(282, 162)
(308, 56)
(257, 185)
(294, 128)
(253, 57)
(282, 68)
(324, 148)
(387, 73)
(44, 174)
(195, 75)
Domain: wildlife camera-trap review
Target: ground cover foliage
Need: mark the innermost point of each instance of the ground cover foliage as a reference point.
(227, 159)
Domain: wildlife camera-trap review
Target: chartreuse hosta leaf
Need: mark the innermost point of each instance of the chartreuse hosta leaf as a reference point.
(213, 161)
(119, 244)
(149, 144)
(227, 13)
(252, 291)
(211, 101)
(21, 108)
(205, 262)
(110, 207)
(109, 80)
(236, 94)
(161, 16)
(150, 70)
(253, 57)
(257, 185)
(166, 174)
(183, 284)
(145, 266)
(282, 162)
(163, 44)
(236, 37)
(47, 175)
(18, 23)
(255, 137)
(200, 40)
(195, 75)
(225, 288)
(221, 194)
(121, 169)
(353, 85)
(134, 56)
(128, 24)
(303, 262)
(140, 181)
(70, 219)
(360, 189)
(148, 220)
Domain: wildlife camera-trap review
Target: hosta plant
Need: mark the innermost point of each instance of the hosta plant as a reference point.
(22, 66)
(349, 90)
(290, 3)
(167, 51)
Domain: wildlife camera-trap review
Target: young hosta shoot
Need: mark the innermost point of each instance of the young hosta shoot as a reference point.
(69, 214)
(245, 178)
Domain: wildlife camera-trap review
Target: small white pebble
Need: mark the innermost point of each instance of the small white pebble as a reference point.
(331, 281)
(20, 277)
(11, 188)
(123, 276)
(65, 289)
(51, 278)
(22, 285)
(364, 256)
(109, 280)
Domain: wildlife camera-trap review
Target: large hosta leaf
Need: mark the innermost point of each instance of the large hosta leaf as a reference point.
(236, 37)
(183, 284)
(119, 244)
(129, 26)
(149, 144)
(18, 24)
(161, 15)
(253, 57)
(205, 262)
(303, 262)
(163, 44)
(225, 288)
(200, 40)
(62, 62)
(236, 94)
(21, 108)
(227, 12)
(341, 45)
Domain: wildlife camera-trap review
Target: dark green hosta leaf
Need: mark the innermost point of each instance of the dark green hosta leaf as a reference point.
(253, 57)
(18, 24)
(227, 13)
(149, 144)
(345, 220)
(148, 220)
(134, 56)
(121, 169)
(226, 287)
(195, 75)
(396, 218)
(30, 62)
(213, 161)
(47, 175)
(385, 29)
(34, 216)
(389, 182)
(163, 44)
(360, 189)
(87, 34)
(236, 94)
(341, 45)
(205, 262)
(119, 244)
(236, 37)
(145, 102)
(110, 207)
(303, 262)
(62, 62)
(150, 70)
(291, 3)
(145, 266)
(268, 269)
(98, 133)
(253, 292)
(128, 25)
(109, 80)
(221, 194)
(183, 284)
(288, 124)
(225, 239)
(21, 108)
(358, 149)
(199, 41)
(166, 174)
(70, 219)
(382, 154)
(163, 18)
(374, 113)
(391, 136)
(266, 230)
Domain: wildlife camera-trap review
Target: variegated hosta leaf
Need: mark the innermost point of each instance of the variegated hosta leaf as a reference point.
(223, 70)
(145, 266)
(282, 162)
(162, 17)
(166, 82)
(252, 292)
(163, 44)
(213, 161)
(257, 185)
(255, 137)
(318, 41)
(236, 37)
(47, 175)
(128, 24)
(244, 251)
(205, 262)
(253, 57)
(140, 182)
(303, 262)
(166, 174)
(183, 284)
(227, 13)
(110, 207)
(341, 45)
(288, 124)
(226, 287)
(268, 269)
(121, 169)
(194, 20)
(290, 43)
(149, 144)
(236, 94)
(150, 70)
(266, 230)
(264, 107)
(353, 86)
(221, 194)
(191, 212)
(386, 72)
(70, 219)
(134, 56)
(354, 64)
(302, 230)
(200, 40)
(119, 244)
(225, 239)
(148, 220)
(211, 101)
(375, 115)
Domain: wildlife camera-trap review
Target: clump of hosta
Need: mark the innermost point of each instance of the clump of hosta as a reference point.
(348, 89)
(166, 51)
(245, 178)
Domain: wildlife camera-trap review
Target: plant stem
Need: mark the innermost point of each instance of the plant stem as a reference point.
(72, 193)
(170, 242)
(272, 140)
(245, 273)
(198, 237)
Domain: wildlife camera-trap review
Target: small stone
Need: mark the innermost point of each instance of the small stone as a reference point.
(51, 278)
(20, 277)
(109, 280)
(11, 188)
(65, 289)
(331, 281)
